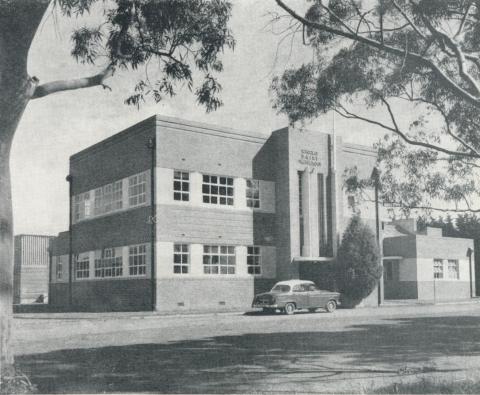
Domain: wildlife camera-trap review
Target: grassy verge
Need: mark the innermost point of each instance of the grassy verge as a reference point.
(429, 386)
(17, 383)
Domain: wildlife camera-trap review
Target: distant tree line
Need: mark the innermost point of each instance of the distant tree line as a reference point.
(465, 225)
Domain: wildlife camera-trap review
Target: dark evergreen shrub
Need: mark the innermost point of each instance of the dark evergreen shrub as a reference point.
(358, 261)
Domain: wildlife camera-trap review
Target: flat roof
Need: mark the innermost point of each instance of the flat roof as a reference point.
(200, 127)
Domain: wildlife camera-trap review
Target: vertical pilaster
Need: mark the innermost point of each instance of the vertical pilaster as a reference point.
(239, 193)
(196, 188)
(196, 259)
(241, 260)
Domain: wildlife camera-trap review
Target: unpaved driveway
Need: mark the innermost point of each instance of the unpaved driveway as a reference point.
(348, 351)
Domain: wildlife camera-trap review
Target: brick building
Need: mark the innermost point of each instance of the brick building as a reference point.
(425, 265)
(175, 215)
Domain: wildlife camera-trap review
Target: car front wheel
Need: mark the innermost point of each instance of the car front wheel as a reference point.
(289, 308)
(331, 306)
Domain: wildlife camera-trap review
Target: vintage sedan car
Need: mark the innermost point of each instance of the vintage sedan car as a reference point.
(289, 296)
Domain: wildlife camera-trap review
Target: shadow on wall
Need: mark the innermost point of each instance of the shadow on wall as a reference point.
(256, 361)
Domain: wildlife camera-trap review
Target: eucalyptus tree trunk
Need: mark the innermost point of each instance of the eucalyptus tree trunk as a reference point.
(19, 20)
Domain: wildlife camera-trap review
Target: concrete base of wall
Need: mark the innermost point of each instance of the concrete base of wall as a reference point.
(443, 290)
(212, 294)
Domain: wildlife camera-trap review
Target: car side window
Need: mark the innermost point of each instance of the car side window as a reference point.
(299, 288)
(312, 287)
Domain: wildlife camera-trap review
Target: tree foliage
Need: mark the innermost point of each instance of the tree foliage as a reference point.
(176, 39)
(358, 261)
(422, 55)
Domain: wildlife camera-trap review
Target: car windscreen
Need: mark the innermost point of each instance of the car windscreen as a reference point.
(281, 288)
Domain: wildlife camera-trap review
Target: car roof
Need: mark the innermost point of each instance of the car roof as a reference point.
(291, 283)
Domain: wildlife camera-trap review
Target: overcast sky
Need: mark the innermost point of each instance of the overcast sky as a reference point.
(55, 127)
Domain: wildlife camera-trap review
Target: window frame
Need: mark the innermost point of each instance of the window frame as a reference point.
(212, 183)
(79, 260)
(182, 179)
(438, 263)
(138, 184)
(252, 186)
(212, 260)
(181, 258)
(137, 260)
(254, 253)
(456, 271)
(59, 269)
(109, 261)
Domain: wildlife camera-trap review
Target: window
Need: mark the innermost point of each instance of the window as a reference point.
(77, 207)
(98, 202)
(81, 206)
(218, 259)
(253, 193)
(217, 190)
(180, 258)
(117, 195)
(59, 268)
(137, 189)
(453, 270)
(253, 260)
(107, 198)
(181, 186)
(137, 260)
(437, 269)
(391, 270)
(82, 266)
(109, 265)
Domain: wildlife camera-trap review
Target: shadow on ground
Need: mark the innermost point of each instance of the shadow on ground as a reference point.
(244, 363)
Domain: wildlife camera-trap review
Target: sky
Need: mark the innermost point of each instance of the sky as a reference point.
(57, 126)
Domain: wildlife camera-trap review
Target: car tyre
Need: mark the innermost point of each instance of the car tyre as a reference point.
(331, 306)
(290, 308)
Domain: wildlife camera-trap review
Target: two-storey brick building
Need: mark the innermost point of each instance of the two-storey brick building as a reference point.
(175, 215)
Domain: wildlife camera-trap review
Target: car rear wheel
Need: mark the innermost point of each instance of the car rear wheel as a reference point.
(289, 308)
(331, 306)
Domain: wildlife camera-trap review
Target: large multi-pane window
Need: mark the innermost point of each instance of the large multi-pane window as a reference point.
(137, 189)
(217, 190)
(453, 269)
(438, 269)
(180, 258)
(181, 186)
(254, 260)
(253, 193)
(110, 265)
(98, 202)
(107, 198)
(137, 260)
(81, 206)
(218, 259)
(116, 202)
(82, 266)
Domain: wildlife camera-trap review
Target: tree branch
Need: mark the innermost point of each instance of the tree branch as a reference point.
(410, 22)
(389, 49)
(65, 85)
(404, 137)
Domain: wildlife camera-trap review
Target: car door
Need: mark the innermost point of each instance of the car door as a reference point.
(317, 297)
(300, 296)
